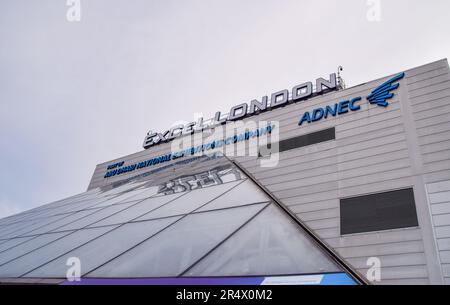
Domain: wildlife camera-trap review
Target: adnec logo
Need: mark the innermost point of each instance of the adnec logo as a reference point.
(382, 93)
(378, 96)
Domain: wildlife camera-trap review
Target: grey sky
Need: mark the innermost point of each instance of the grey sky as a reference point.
(76, 94)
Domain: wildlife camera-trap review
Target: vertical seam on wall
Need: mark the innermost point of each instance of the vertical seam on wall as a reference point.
(433, 228)
(431, 252)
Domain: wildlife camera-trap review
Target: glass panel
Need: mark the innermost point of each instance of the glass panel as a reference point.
(59, 223)
(99, 215)
(78, 206)
(245, 193)
(51, 251)
(219, 239)
(33, 224)
(94, 253)
(137, 210)
(270, 244)
(13, 222)
(8, 231)
(47, 208)
(12, 243)
(173, 250)
(69, 207)
(119, 198)
(28, 246)
(123, 189)
(191, 201)
(148, 192)
(9, 221)
(60, 211)
(76, 198)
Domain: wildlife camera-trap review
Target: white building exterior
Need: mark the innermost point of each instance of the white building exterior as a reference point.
(375, 150)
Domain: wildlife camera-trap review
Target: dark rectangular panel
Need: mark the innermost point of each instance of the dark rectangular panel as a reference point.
(383, 211)
(301, 141)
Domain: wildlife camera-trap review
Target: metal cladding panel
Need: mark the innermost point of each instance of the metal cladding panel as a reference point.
(376, 150)
(439, 200)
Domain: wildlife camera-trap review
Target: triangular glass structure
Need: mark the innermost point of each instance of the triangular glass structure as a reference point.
(197, 221)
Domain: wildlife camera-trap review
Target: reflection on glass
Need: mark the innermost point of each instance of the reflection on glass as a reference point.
(190, 201)
(45, 254)
(173, 250)
(245, 193)
(215, 176)
(202, 217)
(137, 210)
(95, 253)
(28, 246)
(270, 244)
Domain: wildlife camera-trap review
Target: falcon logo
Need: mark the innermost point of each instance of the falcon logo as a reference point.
(381, 94)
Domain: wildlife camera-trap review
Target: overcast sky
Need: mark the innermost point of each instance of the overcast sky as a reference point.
(75, 94)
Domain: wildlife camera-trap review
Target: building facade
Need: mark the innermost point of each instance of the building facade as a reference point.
(365, 170)
(377, 149)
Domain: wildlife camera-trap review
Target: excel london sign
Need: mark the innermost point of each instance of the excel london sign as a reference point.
(379, 96)
(281, 98)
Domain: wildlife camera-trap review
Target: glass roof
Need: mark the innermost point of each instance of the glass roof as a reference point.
(197, 218)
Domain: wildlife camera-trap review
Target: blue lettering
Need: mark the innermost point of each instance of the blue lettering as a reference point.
(164, 158)
(352, 104)
(317, 115)
(329, 110)
(343, 107)
(306, 117)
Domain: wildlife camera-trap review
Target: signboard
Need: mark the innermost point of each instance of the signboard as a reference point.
(379, 96)
(281, 98)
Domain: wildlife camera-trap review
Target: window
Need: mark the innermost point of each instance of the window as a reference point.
(300, 141)
(384, 211)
